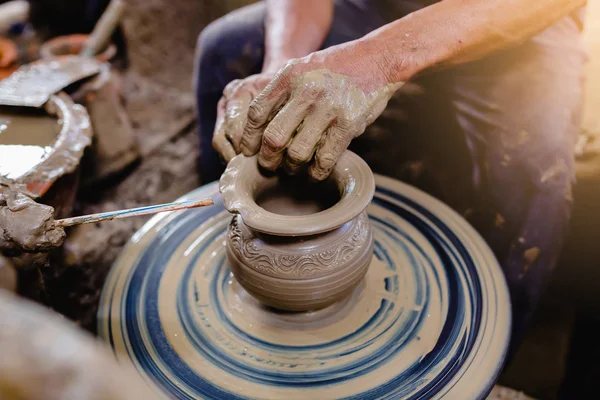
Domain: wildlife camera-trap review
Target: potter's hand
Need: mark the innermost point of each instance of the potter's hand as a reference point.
(232, 111)
(316, 105)
(26, 225)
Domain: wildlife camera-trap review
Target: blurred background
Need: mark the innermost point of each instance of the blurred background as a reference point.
(153, 64)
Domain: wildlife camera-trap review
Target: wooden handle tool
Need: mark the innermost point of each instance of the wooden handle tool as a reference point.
(104, 28)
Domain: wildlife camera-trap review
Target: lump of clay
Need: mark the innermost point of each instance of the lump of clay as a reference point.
(26, 225)
(44, 357)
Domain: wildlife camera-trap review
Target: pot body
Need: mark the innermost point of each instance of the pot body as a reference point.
(300, 273)
(289, 257)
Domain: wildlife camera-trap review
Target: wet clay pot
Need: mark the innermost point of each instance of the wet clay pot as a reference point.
(296, 245)
(72, 45)
(40, 149)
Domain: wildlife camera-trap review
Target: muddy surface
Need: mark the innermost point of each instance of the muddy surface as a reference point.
(24, 139)
(26, 225)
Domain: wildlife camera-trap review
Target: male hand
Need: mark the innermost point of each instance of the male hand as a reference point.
(232, 112)
(315, 106)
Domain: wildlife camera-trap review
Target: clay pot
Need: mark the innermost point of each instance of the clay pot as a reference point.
(72, 45)
(295, 245)
(8, 57)
(58, 169)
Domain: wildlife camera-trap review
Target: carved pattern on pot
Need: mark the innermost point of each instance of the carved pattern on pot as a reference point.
(339, 253)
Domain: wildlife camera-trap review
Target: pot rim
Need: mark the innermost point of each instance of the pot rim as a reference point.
(242, 179)
(75, 135)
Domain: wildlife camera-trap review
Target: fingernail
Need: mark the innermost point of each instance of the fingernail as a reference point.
(246, 150)
(319, 174)
(270, 163)
(268, 166)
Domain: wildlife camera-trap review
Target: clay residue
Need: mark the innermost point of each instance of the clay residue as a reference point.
(26, 225)
(555, 171)
(499, 222)
(529, 258)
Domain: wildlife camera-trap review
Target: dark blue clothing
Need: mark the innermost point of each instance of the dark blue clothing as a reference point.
(493, 138)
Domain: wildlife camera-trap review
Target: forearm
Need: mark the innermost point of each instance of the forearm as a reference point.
(294, 28)
(452, 32)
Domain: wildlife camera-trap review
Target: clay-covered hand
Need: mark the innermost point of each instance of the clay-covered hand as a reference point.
(315, 106)
(26, 225)
(232, 111)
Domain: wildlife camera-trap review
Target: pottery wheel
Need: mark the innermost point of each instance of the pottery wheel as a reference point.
(431, 319)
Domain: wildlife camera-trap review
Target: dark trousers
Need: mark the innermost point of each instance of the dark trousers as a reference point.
(493, 138)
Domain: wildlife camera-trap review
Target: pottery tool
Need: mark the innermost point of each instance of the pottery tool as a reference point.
(104, 28)
(134, 212)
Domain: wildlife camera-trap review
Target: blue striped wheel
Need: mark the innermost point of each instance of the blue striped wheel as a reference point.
(431, 319)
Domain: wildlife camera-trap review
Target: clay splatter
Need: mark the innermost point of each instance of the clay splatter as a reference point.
(499, 220)
(530, 256)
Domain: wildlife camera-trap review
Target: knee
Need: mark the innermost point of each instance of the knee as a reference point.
(227, 35)
(209, 55)
(209, 40)
(551, 164)
(230, 47)
(543, 156)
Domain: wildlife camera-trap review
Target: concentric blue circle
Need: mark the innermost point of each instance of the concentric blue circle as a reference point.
(430, 320)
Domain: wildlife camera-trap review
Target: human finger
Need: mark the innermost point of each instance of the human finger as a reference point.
(337, 140)
(300, 151)
(220, 142)
(279, 132)
(236, 113)
(261, 109)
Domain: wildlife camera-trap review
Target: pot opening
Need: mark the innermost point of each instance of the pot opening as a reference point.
(296, 196)
(26, 137)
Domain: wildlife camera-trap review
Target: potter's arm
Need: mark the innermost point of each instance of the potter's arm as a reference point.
(316, 105)
(294, 28)
(453, 32)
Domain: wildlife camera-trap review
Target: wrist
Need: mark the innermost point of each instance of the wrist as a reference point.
(395, 63)
(272, 64)
(403, 52)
